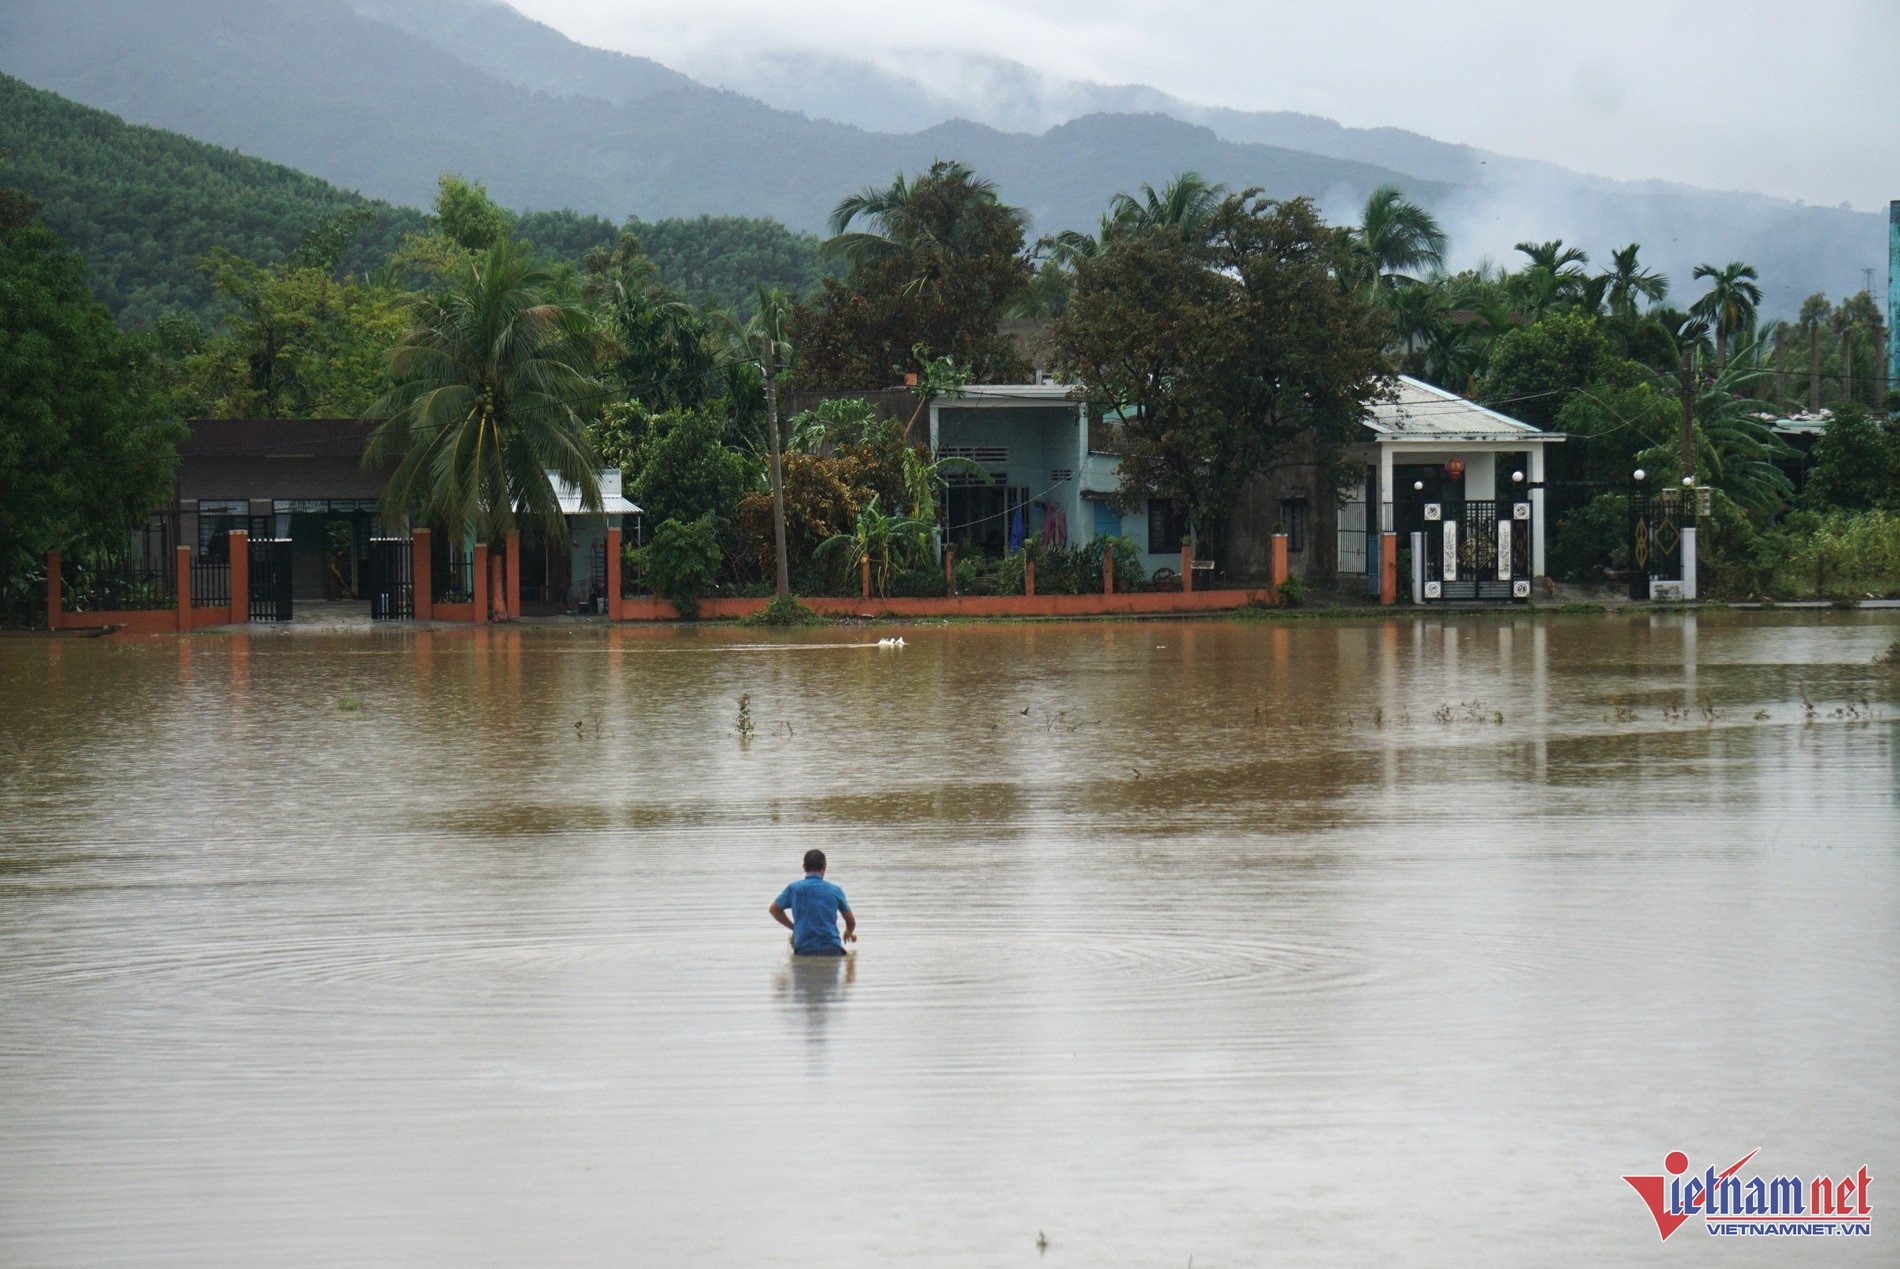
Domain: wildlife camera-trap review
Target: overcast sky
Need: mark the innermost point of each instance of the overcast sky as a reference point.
(1794, 97)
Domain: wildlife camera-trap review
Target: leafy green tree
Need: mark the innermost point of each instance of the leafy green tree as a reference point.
(682, 561)
(1225, 358)
(1534, 370)
(683, 469)
(84, 449)
(1552, 280)
(494, 383)
(1855, 464)
(297, 342)
(939, 265)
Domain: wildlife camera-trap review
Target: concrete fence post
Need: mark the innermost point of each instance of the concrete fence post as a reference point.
(1388, 569)
(183, 556)
(864, 577)
(950, 573)
(509, 604)
(239, 554)
(615, 547)
(1108, 568)
(1277, 571)
(54, 596)
(422, 574)
(1688, 562)
(1029, 575)
(1187, 567)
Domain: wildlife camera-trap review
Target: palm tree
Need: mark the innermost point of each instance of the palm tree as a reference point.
(493, 382)
(1730, 303)
(874, 538)
(765, 339)
(1397, 237)
(1553, 279)
(1187, 203)
(927, 220)
(1630, 282)
(1735, 444)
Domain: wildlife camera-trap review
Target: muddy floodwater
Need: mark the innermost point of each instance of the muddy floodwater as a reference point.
(1278, 942)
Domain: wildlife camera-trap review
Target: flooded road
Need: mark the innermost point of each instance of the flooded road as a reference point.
(1303, 942)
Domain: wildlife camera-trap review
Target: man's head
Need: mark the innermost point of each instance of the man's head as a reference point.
(814, 861)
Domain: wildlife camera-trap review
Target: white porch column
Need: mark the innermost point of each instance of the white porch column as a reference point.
(1375, 516)
(1537, 510)
(1079, 532)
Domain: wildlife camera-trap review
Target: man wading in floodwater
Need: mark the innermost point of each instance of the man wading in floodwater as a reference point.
(815, 905)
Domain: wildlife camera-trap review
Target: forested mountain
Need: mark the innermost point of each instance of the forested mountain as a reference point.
(383, 95)
(143, 206)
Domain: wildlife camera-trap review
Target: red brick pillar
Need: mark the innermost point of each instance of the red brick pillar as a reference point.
(1029, 575)
(1276, 563)
(864, 584)
(183, 555)
(1187, 567)
(615, 546)
(53, 596)
(1108, 568)
(478, 571)
(239, 554)
(422, 574)
(1388, 568)
(510, 602)
(949, 572)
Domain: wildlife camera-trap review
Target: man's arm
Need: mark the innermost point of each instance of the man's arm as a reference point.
(778, 914)
(850, 926)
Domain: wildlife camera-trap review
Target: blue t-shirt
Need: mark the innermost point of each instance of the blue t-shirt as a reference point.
(814, 904)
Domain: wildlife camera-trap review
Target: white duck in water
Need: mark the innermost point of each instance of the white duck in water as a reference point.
(890, 643)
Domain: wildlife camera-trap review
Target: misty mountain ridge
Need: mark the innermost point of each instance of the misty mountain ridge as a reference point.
(384, 95)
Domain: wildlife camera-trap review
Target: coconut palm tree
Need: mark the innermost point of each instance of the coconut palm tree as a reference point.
(929, 219)
(493, 380)
(1730, 303)
(1397, 238)
(1552, 279)
(1185, 203)
(1630, 282)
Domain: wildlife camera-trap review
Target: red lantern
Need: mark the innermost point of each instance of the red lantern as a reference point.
(1455, 467)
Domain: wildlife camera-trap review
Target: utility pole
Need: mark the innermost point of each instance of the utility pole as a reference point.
(782, 581)
(1781, 368)
(1688, 411)
(1814, 367)
(1847, 366)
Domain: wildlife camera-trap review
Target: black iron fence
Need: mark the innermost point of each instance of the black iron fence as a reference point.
(389, 580)
(1477, 550)
(211, 583)
(117, 582)
(23, 598)
(1656, 524)
(451, 578)
(270, 579)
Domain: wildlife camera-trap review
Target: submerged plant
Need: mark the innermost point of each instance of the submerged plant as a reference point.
(745, 724)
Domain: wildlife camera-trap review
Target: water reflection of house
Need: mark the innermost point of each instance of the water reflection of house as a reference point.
(1053, 472)
(302, 480)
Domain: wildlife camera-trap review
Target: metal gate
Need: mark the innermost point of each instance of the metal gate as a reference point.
(270, 579)
(390, 577)
(1656, 525)
(1477, 551)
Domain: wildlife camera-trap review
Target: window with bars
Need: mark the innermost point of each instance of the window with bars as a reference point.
(1293, 524)
(1167, 527)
